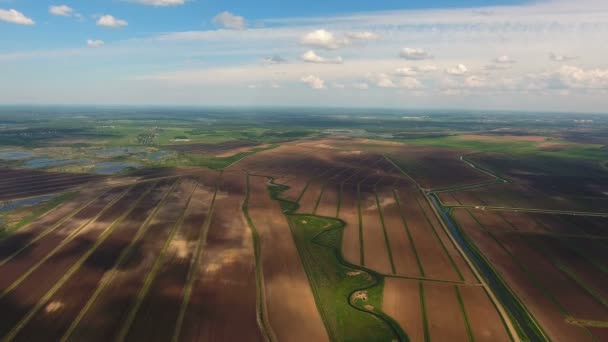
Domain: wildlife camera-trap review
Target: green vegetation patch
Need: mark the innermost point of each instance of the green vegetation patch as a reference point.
(349, 297)
(214, 163)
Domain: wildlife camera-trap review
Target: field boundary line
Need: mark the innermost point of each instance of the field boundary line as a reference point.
(52, 228)
(386, 239)
(508, 320)
(539, 285)
(560, 266)
(463, 311)
(74, 268)
(261, 311)
(314, 211)
(529, 210)
(409, 234)
(108, 277)
(430, 280)
(445, 250)
(425, 319)
(361, 243)
(143, 292)
(339, 204)
(193, 271)
(63, 243)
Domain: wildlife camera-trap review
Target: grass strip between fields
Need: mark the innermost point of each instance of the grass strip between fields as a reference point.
(463, 311)
(409, 233)
(261, 312)
(109, 276)
(386, 239)
(339, 204)
(349, 297)
(445, 250)
(74, 268)
(63, 243)
(561, 267)
(314, 211)
(536, 331)
(360, 216)
(530, 274)
(425, 319)
(50, 229)
(158, 263)
(193, 272)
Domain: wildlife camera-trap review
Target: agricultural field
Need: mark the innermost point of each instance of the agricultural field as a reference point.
(230, 226)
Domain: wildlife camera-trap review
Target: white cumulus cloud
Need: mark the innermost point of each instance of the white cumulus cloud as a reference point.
(323, 39)
(504, 60)
(62, 10)
(575, 77)
(414, 54)
(230, 21)
(276, 59)
(410, 83)
(15, 17)
(312, 57)
(363, 35)
(406, 71)
(458, 70)
(314, 82)
(111, 22)
(561, 58)
(95, 43)
(160, 3)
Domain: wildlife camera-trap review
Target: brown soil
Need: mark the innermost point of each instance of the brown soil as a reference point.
(291, 307)
(545, 311)
(105, 317)
(375, 251)
(349, 213)
(446, 322)
(224, 293)
(401, 301)
(43, 278)
(401, 248)
(76, 292)
(485, 321)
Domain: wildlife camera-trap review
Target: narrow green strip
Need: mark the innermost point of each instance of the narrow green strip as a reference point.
(464, 314)
(194, 266)
(72, 270)
(50, 229)
(361, 243)
(143, 292)
(409, 234)
(386, 239)
(261, 312)
(440, 240)
(319, 199)
(425, 320)
(109, 276)
(339, 205)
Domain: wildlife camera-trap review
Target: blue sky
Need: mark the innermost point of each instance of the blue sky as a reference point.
(503, 54)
